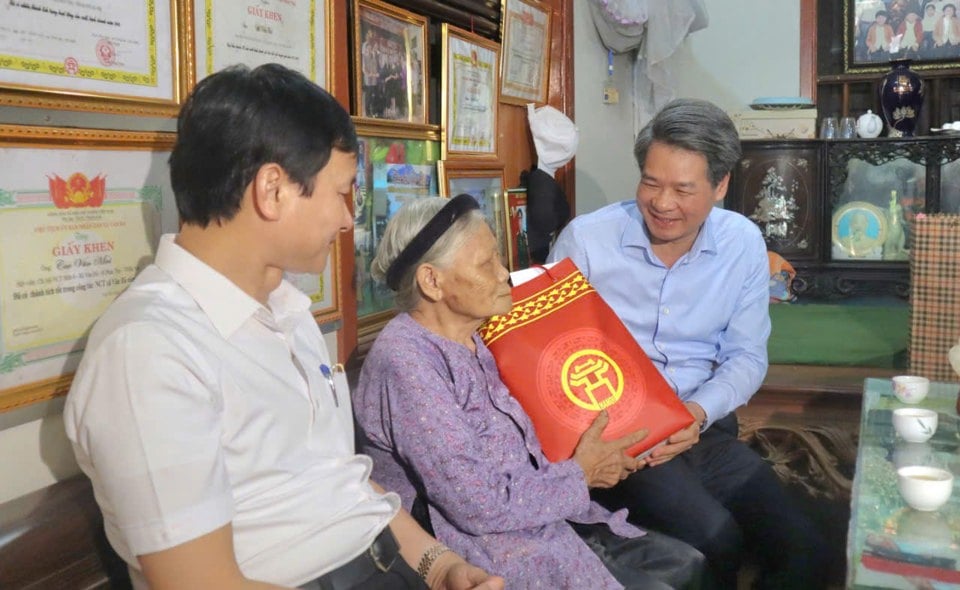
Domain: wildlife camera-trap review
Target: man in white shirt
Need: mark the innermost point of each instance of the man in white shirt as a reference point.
(218, 440)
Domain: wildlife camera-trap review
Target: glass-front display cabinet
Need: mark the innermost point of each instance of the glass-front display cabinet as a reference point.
(841, 211)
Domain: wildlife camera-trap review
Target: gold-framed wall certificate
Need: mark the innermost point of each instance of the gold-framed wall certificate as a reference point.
(470, 88)
(111, 56)
(81, 213)
(525, 59)
(292, 34)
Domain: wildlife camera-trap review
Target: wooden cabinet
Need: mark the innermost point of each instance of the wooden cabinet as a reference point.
(841, 211)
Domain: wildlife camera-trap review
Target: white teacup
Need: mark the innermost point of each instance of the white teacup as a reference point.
(924, 488)
(910, 389)
(915, 425)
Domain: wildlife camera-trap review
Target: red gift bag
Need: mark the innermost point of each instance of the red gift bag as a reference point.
(565, 356)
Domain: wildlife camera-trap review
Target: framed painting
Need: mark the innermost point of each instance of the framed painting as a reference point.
(485, 183)
(877, 31)
(389, 63)
(293, 34)
(525, 55)
(515, 224)
(81, 212)
(111, 57)
(470, 88)
(393, 166)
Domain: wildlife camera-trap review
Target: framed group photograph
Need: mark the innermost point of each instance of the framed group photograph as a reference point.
(389, 63)
(470, 87)
(484, 182)
(525, 55)
(292, 34)
(927, 32)
(515, 223)
(111, 57)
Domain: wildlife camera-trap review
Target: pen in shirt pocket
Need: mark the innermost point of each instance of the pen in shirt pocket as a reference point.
(328, 374)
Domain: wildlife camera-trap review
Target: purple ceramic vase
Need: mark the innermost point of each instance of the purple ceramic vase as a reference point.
(901, 97)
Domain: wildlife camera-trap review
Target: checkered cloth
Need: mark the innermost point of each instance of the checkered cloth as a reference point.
(934, 295)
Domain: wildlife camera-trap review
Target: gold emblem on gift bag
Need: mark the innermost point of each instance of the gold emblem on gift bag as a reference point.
(592, 380)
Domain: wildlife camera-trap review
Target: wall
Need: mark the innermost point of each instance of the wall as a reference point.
(749, 49)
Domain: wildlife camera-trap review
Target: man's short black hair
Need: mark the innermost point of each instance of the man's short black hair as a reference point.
(238, 119)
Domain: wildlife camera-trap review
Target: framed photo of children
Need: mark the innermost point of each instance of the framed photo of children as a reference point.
(525, 59)
(389, 63)
(485, 183)
(927, 32)
(469, 87)
(515, 222)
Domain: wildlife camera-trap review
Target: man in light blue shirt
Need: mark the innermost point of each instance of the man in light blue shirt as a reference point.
(690, 281)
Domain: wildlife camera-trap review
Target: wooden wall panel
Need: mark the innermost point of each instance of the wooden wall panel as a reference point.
(517, 151)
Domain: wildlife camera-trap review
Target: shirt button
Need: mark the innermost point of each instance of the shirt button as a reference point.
(672, 370)
(666, 311)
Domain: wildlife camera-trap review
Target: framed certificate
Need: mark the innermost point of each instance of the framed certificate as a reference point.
(110, 56)
(525, 59)
(469, 88)
(292, 34)
(81, 212)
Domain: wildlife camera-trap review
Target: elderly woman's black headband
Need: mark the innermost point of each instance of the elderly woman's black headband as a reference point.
(428, 236)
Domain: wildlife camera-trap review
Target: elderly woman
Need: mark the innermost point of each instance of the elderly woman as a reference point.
(444, 431)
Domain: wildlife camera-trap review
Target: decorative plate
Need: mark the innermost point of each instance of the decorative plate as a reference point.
(859, 231)
(942, 131)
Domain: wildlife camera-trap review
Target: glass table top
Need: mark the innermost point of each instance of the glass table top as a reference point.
(890, 545)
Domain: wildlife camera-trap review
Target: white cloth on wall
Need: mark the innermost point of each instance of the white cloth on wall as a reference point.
(669, 23)
(655, 29)
(620, 23)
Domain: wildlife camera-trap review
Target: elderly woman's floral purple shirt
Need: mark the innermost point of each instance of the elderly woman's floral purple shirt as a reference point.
(431, 406)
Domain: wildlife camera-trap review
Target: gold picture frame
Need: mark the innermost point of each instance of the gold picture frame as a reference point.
(76, 58)
(81, 211)
(485, 182)
(390, 64)
(470, 90)
(384, 151)
(294, 34)
(525, 54)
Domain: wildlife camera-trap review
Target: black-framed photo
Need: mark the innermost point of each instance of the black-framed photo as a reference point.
(390, 63)
(927, 32)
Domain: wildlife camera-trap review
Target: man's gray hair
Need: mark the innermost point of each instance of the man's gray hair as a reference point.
(694, 125)
(403, 227)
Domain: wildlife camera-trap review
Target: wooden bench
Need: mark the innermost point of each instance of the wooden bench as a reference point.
(53, 538)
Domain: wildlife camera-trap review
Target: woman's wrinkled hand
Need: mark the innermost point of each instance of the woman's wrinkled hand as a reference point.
(451, 572)
(606, 463)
